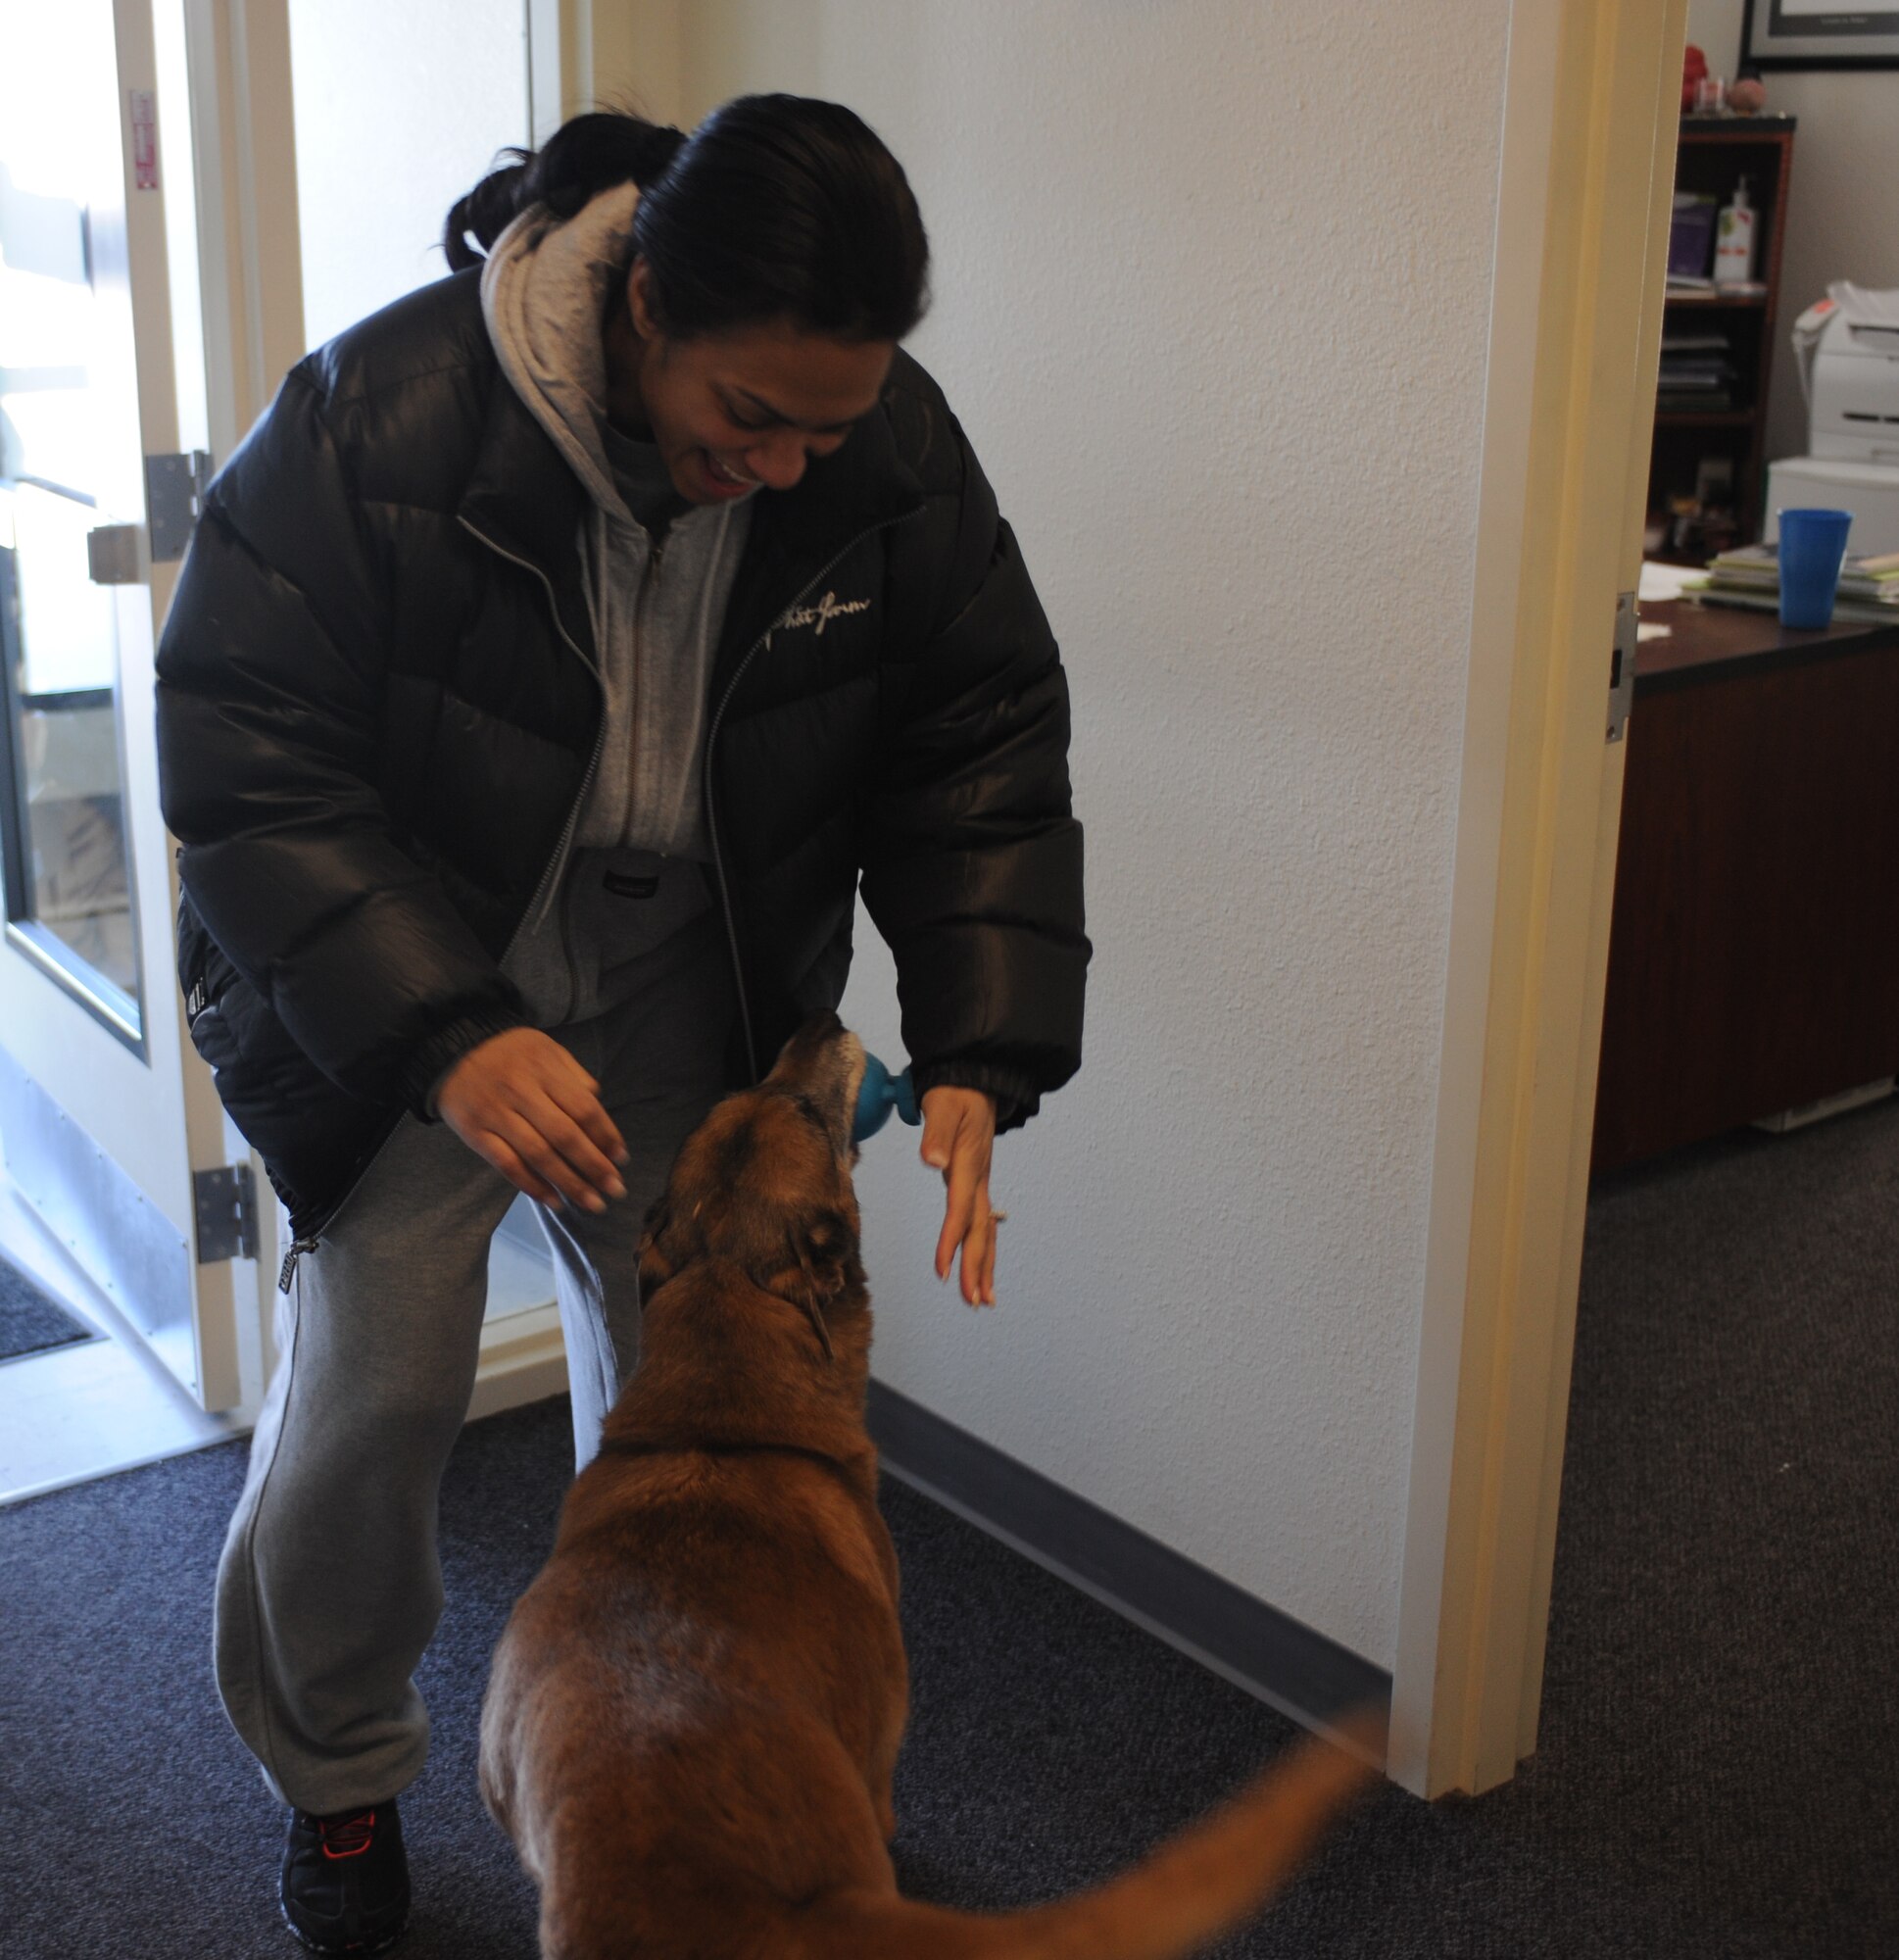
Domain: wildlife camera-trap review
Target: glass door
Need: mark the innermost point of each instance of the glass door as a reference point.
(105, 1111)
(65, 507)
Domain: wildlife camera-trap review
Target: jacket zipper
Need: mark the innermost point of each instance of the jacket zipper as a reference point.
(655, 550)
(287, 1272)
(299, 1246)
(711, 738)
(557, 862)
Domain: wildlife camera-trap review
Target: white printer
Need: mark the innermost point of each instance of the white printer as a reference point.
(1847, 347)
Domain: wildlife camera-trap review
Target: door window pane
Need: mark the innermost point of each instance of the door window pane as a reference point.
(63, 395)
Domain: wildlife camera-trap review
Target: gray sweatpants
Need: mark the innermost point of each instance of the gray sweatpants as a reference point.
(331, 1586)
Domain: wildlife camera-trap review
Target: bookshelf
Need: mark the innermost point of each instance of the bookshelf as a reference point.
(1714, 457)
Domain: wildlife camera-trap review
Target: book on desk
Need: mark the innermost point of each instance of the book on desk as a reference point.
(1750, 575)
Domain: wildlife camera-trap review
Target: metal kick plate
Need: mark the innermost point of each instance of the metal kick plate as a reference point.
(122, 1238)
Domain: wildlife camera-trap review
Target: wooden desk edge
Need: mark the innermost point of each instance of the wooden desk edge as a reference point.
(1714, 643)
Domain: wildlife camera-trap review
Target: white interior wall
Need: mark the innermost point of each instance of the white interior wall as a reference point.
(1839, 215)
(1212, 294)
(399, 111)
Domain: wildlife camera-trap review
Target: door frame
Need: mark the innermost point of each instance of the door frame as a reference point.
(243, 131)
(1584, 194)
(604, 54)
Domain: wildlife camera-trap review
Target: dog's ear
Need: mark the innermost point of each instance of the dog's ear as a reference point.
(825, 1248)
(654, 1269)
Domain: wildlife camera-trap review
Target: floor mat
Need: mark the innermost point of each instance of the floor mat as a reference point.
(29, 1320)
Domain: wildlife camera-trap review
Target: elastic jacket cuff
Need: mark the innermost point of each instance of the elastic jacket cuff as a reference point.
(1016, 1097)
(428, 1062)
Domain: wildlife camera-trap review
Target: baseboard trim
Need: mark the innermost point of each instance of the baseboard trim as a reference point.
(524, 1360)
(1268, 1653)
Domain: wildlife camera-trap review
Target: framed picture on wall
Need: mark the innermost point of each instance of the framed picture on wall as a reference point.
(1819, 34)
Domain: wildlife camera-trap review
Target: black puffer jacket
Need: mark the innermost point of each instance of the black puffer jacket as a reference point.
(378, 713)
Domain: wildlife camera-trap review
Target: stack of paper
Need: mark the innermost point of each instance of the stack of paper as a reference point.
(1750, 575)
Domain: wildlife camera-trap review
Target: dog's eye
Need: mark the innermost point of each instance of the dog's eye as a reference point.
(812, 1115)
(826, 1235)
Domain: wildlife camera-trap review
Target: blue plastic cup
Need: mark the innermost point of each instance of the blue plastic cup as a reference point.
(1813, 548)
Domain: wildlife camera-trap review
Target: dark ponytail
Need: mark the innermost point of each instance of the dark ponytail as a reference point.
(776, 208)
(583, 157)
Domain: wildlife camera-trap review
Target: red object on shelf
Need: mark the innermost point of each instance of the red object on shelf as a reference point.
(1694, 64)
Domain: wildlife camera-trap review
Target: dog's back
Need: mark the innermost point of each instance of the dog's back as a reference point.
(702, 1670)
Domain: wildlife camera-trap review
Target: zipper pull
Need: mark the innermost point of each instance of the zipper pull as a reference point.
(289, 1270)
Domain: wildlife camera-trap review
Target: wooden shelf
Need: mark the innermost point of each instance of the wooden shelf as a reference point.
(1717, 299)
(1715, 152)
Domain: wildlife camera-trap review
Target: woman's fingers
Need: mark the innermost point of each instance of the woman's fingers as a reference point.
(577, 1094)
(958, 1137)
(496, 1152)
(576, 1149)
(978, 1241)
(526, 1138)
(523, 1103)
(958, 1217)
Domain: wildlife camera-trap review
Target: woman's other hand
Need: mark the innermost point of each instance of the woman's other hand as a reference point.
(521, 1102)
(958, 1137)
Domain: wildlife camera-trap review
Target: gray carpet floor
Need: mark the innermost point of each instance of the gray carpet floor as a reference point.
(28, 1321)
(1715, 1772)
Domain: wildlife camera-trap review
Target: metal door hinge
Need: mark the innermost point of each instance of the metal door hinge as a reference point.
(175, 495)
(225, 1201)
(1622, 665)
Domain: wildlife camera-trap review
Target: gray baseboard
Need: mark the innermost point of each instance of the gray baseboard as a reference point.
(1258, 1648)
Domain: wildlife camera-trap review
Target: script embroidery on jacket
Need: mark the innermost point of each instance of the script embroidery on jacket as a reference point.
(820, 615)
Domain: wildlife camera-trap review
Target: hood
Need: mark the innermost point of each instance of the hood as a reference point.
(545, 293)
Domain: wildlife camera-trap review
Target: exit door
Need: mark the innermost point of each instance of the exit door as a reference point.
(109, 1122)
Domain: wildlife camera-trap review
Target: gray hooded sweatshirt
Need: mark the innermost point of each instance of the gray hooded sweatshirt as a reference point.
(658, 593)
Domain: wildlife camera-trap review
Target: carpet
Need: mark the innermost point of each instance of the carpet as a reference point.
(1714, 1777)
(28, 1321)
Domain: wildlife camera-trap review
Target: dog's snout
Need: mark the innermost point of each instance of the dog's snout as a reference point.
(822, 1066)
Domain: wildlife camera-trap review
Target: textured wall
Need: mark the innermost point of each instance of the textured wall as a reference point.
(400, 109)
(1839, 217)
(1212, 285)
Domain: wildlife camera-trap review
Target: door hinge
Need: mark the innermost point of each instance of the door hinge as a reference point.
(225, 1201)
(175, 495)
(1622, 665)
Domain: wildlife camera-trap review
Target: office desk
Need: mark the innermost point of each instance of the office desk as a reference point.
(1754, 951)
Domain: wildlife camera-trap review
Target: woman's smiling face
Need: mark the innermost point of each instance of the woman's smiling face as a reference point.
(733, 412)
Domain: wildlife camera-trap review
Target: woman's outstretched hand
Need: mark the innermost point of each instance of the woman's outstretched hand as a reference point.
(520, 1101)
(959, 1136)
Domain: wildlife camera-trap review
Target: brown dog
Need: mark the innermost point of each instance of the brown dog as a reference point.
(695, 1711)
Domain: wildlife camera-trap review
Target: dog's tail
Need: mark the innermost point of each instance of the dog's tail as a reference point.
(1211, 1878)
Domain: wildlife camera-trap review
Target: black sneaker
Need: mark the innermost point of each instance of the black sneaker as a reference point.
(345, 1887)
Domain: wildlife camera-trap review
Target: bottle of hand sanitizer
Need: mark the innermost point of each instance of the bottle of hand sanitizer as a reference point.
(1735, 240)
